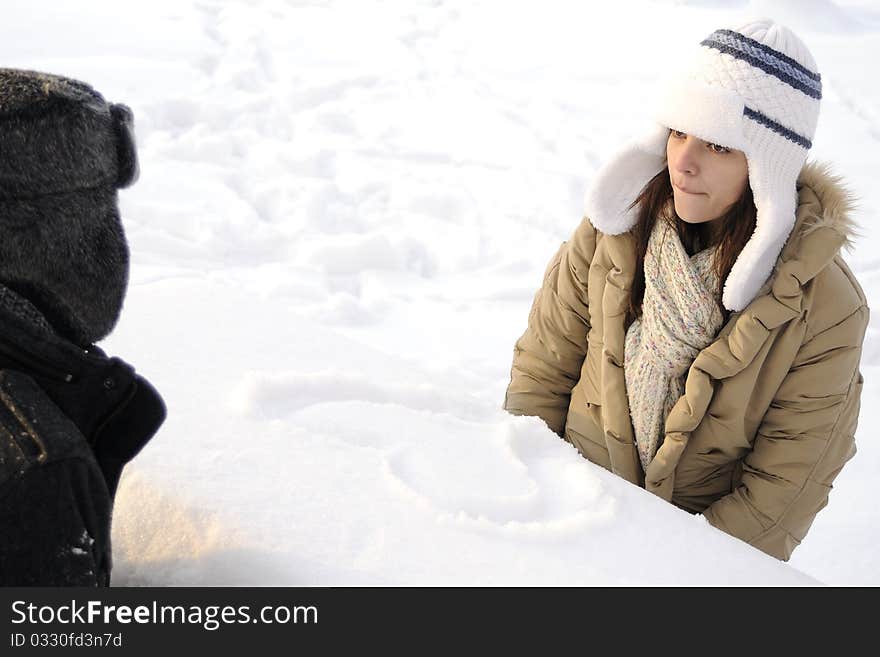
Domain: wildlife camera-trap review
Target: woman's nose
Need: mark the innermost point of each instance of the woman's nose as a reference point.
(685, 158)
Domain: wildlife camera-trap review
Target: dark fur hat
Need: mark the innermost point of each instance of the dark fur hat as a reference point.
(64, 151)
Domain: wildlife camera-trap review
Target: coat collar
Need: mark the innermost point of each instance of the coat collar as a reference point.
(116, 410)
(28, 341)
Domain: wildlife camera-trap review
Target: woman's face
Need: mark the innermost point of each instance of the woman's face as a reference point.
(707, 179)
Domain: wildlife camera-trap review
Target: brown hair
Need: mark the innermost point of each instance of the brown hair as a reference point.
(734, 229)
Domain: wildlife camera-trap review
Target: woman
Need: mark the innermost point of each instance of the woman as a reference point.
(699, 334)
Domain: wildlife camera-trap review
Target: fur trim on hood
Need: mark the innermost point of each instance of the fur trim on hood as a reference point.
(837, 203)
(824, 224)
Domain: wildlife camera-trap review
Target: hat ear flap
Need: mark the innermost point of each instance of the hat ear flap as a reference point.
(126, 149)
(621, 179)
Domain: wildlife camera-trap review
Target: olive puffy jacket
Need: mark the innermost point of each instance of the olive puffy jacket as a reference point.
(770, 408)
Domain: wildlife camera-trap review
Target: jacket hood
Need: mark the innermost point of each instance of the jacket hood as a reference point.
(824, 204)
(823, 225)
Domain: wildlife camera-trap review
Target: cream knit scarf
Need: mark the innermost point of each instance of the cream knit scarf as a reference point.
(680, 317)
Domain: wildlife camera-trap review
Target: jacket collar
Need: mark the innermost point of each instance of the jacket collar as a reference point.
(114, 408)
(28, 342)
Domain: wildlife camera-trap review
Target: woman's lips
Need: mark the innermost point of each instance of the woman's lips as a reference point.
(686, 191)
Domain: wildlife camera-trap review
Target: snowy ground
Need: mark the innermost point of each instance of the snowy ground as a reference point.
(344, 211)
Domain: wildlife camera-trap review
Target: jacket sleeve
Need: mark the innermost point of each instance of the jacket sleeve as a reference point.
(802, 443)
(547, 358)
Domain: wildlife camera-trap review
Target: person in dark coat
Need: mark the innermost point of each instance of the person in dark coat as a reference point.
(70, 416)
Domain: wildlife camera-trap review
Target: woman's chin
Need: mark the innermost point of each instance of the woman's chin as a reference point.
(687, 215)
(691, 216)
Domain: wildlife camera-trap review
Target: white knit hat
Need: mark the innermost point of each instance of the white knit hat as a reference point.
(754, 89)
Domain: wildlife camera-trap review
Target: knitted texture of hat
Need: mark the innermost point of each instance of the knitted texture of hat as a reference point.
(771, 70)
(65, 153)
(754, 89)
(680, 317)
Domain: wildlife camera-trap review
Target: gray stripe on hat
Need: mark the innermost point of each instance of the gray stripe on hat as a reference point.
(768, 60)
(777, 127)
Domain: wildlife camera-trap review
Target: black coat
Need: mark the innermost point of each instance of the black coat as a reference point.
(70, 419)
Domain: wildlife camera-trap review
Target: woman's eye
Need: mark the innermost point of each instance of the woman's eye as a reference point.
(715, 148)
